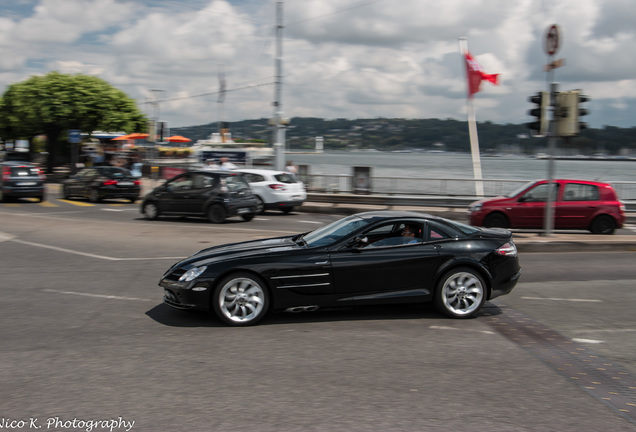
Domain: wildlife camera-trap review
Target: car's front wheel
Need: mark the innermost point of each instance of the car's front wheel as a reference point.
(241, 299)
(151, 211)
(496, 220)
(460, 293)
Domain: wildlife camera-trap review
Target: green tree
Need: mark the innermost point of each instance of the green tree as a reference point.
(52, 104)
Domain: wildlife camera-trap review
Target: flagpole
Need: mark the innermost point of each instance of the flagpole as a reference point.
(472, 129)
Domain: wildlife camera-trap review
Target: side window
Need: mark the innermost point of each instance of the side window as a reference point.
(202, 181)
(181, 183)
(435, 232)
(395, 233)
(580, 192)
(539, 193)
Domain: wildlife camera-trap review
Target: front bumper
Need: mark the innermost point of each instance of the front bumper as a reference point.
(194, 295)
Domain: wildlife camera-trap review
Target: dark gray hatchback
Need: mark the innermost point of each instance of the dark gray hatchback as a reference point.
(216, 195)
(21, 180)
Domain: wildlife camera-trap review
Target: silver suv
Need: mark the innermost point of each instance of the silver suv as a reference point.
(21, 180)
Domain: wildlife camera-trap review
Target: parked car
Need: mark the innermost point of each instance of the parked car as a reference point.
(102, 182)
(216, 195)
(275, 190)
(346, 263)
(578, 204)
(21, 180)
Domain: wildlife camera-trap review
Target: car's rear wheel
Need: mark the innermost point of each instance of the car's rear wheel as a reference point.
(66, 193)
(241, 299)
(260, 205)
(216, 213)
(460, 293)
(603, 225)
(496, 220)
(248, 217)
(93, 196)
(151, 211)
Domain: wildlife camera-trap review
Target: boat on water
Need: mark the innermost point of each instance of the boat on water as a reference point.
(219, 145)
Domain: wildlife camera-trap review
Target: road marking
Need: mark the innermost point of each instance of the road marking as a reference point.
(562, 299)
(589, 341)
(113, 209)
(433, 327)
(77, 203)
(90, 255)
(48, 204)
(311, 222)
(112, 297)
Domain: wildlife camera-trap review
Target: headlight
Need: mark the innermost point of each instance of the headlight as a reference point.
(192, 274)
(476, 208)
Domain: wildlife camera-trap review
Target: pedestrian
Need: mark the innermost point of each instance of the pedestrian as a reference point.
(226, 165)
(291, 168)
(210, 165)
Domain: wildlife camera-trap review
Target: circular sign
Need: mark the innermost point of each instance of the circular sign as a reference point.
(552, 40)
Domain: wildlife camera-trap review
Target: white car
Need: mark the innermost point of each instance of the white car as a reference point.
(275, 190)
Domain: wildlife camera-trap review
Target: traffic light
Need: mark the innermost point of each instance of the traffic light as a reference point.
(542, 100)
(568, 111)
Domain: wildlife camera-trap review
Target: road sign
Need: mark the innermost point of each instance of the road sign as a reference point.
(74, 136)
(551, 43)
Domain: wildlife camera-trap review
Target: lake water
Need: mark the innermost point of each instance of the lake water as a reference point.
(460, 166)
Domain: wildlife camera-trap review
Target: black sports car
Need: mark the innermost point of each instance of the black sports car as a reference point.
(367, 258)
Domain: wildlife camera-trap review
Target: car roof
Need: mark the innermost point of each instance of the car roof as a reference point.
(261, 171)
(591, 182)
(17, 163)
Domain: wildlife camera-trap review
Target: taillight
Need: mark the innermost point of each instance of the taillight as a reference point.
(41, 174)
(109, 182)
(137, 183)
(6, 173)
(509, 249)
(277, 187)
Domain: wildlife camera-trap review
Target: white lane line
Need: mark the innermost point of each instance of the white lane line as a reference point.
(112, 297)
(113, 209)
(589, 341)
(103, 257)
(433, 327)
(562, 299)
(311, 222)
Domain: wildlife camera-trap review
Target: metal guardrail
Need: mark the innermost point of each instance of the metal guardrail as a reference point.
(430, 187)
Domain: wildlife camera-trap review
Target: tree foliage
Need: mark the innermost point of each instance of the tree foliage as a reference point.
(55, 103)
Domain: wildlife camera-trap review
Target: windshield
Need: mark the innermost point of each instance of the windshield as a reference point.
(518, 190)
(335, 231)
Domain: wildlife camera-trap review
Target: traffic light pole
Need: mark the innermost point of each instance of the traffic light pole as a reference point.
(549, 205)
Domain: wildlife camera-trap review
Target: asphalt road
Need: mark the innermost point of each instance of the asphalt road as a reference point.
(86, 337)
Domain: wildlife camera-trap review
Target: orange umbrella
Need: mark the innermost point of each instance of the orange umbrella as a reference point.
(135, 135)
(178, 138)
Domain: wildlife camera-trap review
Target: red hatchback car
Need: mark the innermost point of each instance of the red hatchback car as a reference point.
(578, 204)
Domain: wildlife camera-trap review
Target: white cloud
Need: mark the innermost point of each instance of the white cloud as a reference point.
(341, 58)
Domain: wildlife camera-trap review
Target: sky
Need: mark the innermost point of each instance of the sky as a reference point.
(348, 59)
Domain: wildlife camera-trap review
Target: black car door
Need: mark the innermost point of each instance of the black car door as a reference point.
(386, 267)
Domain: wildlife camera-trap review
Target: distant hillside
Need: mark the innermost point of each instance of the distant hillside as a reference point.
(428, 134)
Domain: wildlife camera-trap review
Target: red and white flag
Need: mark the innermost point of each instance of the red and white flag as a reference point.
(476, 74)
